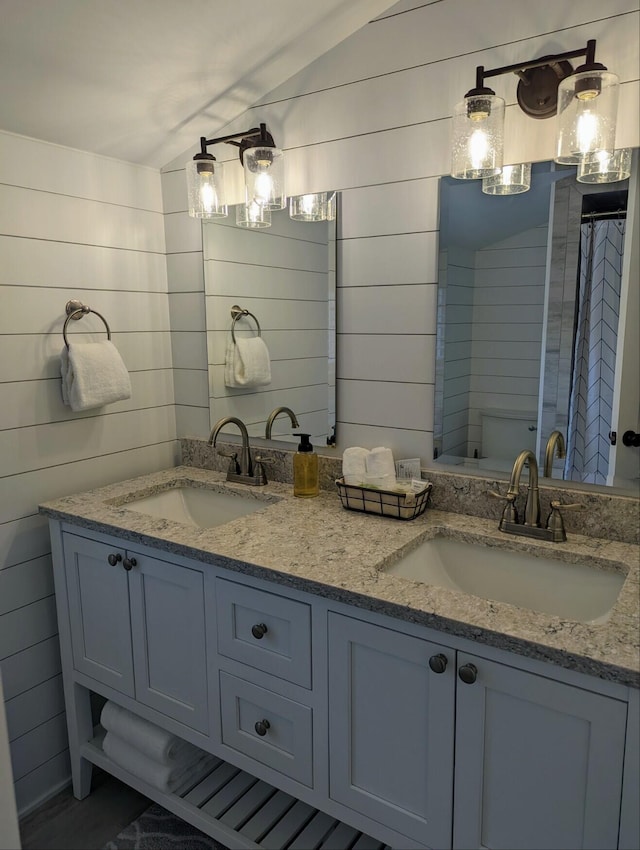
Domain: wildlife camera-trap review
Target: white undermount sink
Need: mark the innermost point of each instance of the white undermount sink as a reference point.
(579, 592)
(197, 505)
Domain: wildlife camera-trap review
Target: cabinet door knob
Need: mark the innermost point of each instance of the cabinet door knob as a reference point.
(262, 726)
(468, 673)
(114, 559)
(259, 631)
(438, 663)
(128, 563)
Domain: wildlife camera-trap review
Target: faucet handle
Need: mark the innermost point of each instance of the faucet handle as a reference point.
(234, 466)
(258, 469)
(509, 514)
(555, 505)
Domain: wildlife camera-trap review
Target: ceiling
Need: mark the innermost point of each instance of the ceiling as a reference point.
(142, 80)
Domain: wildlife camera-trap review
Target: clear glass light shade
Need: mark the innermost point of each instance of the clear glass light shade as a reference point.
(253, 215)
(605, 166)
(205, 189)
(264, 177)
(512, 180)
(587, 113)
(478, 137)
(309, 207)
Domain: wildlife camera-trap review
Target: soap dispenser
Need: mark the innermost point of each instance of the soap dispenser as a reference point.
(305, 469)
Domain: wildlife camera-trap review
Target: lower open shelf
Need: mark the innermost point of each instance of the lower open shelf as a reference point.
(243, 812)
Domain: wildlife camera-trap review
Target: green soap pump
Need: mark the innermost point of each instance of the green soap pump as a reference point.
(305, 469)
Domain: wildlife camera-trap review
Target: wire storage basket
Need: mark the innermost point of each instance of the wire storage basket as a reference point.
(372, 500)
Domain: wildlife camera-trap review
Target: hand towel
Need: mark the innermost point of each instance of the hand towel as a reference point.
(150, 739)
(166, 777)
(247, 363)
(381, 468)
(93, 374)
(354, 465)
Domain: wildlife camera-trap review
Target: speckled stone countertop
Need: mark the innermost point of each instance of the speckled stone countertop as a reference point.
(315, 545)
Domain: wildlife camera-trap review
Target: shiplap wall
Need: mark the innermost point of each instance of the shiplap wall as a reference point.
(508, 301)
(372, 118)
(281, 275)
(72, 225)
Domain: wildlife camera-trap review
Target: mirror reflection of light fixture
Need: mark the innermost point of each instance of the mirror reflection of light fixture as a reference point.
(308, 207)
(605, 166)
(253, 215)
(263, 167)
(512, 180)
(585, 102)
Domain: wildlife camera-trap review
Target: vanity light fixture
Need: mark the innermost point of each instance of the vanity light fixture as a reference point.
(263, 166)
(585, 102)
(511, 180)
(605, 166)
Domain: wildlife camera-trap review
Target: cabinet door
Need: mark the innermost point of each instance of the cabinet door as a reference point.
(391, 729)
(167, 623)
(538, 762)
(99, 612)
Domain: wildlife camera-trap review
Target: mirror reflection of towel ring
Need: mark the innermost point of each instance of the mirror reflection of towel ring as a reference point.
(239, 313)
(76, 310)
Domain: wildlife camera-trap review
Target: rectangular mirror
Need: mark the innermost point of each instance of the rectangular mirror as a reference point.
(284, 275)
(529, 297)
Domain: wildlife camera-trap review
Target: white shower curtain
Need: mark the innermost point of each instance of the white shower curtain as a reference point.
(594, 354)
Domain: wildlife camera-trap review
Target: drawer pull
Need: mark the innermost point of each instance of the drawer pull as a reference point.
(259, 631)
(468, 673)
(438, 663)
(128, 563)
(114, 559)
(262, 726)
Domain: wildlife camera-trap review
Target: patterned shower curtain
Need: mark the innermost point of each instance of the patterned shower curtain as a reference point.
(594, 353)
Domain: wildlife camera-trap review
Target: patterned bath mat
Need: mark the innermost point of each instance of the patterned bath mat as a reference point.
(158, 829)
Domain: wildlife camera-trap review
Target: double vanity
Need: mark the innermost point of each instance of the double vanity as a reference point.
(363, 682)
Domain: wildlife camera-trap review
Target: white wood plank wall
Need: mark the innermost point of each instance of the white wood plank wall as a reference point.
(72, 225)
(372, 118)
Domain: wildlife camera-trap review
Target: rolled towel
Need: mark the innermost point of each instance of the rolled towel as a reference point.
(150, 739)
(247, 363)
(354, 465)
(381, 468)
(166, 777)
(93, 374)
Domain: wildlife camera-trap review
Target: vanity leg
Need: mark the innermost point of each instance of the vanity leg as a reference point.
(80, 728)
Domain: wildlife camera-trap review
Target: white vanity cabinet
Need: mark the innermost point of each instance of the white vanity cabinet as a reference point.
(538, 763)
(335, 720)
(137, 625)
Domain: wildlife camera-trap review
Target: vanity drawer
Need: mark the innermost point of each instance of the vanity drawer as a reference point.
(265, 631)
(267, 727)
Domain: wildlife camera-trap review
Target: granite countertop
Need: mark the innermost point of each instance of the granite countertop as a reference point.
(315, 545)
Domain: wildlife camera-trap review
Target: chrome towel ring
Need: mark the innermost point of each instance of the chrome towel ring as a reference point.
(239, 313)
(76, 310)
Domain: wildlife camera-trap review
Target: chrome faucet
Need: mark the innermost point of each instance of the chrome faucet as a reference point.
(554, 530)
(242, 472)
(554, 443)
(277, 412)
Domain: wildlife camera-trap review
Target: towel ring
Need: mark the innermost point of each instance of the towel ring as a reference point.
(239, 313)
(76, 310)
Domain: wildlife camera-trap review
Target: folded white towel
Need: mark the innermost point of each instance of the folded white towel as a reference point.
(354, 465)
(247, 363)
(381, 468)
(93, 374)
(166, 777)
(145, 736)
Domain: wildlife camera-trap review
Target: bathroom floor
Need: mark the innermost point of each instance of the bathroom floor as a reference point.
(64, 823)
